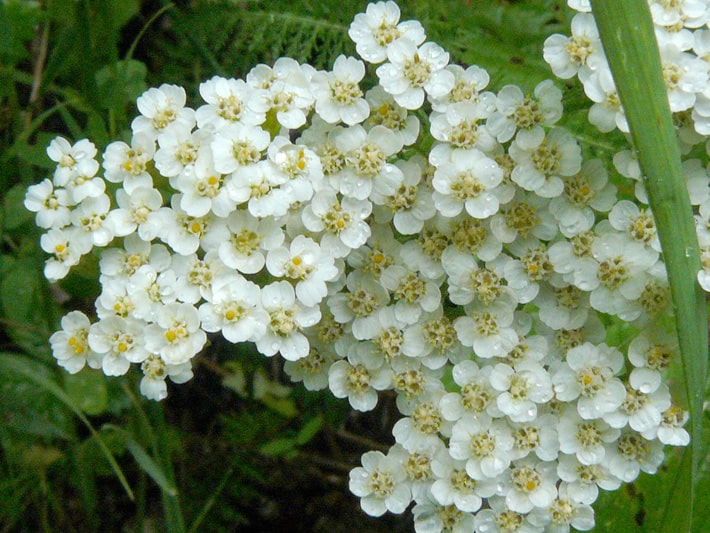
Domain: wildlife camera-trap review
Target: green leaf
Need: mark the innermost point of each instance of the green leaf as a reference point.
(627, 33)
(36, 154)
(309, 430)
(14, 213)
(145, 461)
(25, 306)
(279, 448)
(120, 83)
(18, 19)
(88, 390)
(28, 412)
(22, 366)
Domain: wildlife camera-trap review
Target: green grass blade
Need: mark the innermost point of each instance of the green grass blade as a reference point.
(145, 461)
(626, 30)
(19, 365)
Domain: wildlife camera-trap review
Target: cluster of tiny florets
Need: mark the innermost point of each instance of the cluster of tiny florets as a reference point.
(299, 212)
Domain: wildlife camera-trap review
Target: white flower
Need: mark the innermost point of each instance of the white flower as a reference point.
(499, 519)
(176, 335)
(133, 211)
(195, 276)
(365, 296)
(476, 397)
(564, 512)
(431, 338)
(524, 116)
(484, 443)
(380, 483)
(123, 263)
(228, 101)
(618, 276)
(671, 430)
(460, 127)
(684, 75)
(90, 217)
(589, 375)
(581, 51)
(411, 292)
(412, 70)
(373, 31)
(527, 214)
(532, 484)
(650, 354)
(521, 389)
(155, 371)
(204, 189)
(564, 307)
(587, 191)
(636, 222)
(530, 270)
(453, 486)
(305, 264)
(488, 329)
(470, 235)
(238, 145)
(234, 309)
(343, 222)
(421, 429)
(384, 111)
(583, 481)
(688, 13)
(312, 370)
(338, 94)
(114, 298)
(368, 174)
(66, 248)
(179, 148)
(538, 436)
(411, 204)
(287, 318)
(149, 290)
(128, 165)
(430, 517)
(469, 181)
(182, 232)
(51, 206)
(640, 411)
(633, 454)
(585, 438)
(359, 378)
(468, 87)
(120, 342)
(606, 113)
(70, 345)
(72, 160)
(160, 108)
(248, 239)
(260, 185)
(288, 90)
(540, 166)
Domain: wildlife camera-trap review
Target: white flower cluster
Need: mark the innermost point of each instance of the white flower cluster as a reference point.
(683, 33)
(297, 212)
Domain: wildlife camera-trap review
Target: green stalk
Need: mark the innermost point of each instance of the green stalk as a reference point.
(626, 31)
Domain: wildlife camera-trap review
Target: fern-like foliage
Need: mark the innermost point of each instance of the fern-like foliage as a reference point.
(229, 38)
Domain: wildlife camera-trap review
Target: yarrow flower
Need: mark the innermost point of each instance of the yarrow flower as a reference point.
(412, 234)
